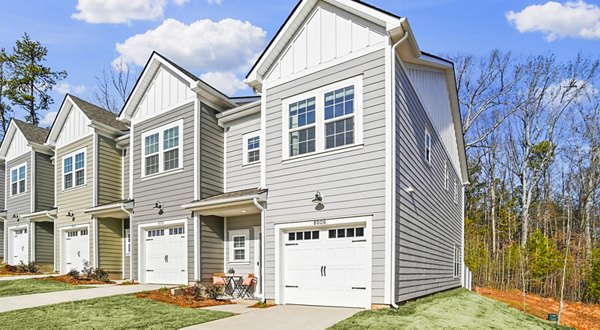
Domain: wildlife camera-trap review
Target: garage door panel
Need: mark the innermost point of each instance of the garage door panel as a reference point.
(165, 256)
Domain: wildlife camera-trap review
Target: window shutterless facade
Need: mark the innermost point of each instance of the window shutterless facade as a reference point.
(74, 169)
(238, 245)
(251, 148)
(18, 179)
(323, 119)
(162, 149)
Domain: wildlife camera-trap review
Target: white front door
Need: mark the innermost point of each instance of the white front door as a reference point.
(19, 246)
(327, 267)
(77, 249)
(165, 256)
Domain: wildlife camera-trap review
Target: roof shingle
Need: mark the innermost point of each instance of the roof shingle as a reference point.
(31, 132)
(95, 113)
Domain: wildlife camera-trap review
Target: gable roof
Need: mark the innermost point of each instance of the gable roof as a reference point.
(196, 84)
(32, 133)
(97, 116)
(302, 9)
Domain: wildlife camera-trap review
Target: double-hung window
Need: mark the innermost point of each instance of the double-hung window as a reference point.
(161, 150)
(74, 169)
(323, 119)
(251, 148)
(238, 247)
(457, 261)
(428, 143)
(18, 178)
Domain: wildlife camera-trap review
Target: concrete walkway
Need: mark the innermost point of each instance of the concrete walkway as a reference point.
(288, 317)
(43, 299)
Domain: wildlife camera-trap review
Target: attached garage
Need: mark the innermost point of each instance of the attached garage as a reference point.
(76, 249)
(165, 255)
(327, 266)
(18, 245)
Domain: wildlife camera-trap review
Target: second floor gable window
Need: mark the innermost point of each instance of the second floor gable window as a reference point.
(18, 178)
(324, 119)
(74, 170)
(161, 149)
(251, 148)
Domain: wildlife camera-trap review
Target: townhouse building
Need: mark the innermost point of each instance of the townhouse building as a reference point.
(339, 184)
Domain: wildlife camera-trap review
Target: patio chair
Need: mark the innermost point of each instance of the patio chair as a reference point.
(218, 279)
(244, 288)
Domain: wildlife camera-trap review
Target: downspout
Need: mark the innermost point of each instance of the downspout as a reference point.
(130, 234)
(262, 248)
(54, 220)
(393, 229)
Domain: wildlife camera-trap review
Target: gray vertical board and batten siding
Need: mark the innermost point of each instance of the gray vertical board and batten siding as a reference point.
(429, 222)
(44, 182)
(172, 190)
(241, 176)
(211, 153)
(352, 182)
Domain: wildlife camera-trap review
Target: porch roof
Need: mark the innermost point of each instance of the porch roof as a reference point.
(234, 203)
(45, 215)
(118, 209)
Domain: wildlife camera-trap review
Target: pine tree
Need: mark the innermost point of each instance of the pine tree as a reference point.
(5, 109)
(31, 80)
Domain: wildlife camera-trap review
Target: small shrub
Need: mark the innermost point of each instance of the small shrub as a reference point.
(163, 290)
(28, 268)
(213, 291)
(10, 268)
(74, 273)
(99, 274)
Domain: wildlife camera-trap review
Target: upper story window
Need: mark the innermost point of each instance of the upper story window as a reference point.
(428, 152)
(251, 148)
(323, 119)
(162, 149)
(18, 179)
(74, 169)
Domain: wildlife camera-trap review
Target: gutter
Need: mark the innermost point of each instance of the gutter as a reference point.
(197, 205)
(393, 226)
(262, 248)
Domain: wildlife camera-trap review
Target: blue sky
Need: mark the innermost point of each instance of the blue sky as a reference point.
(82, 35)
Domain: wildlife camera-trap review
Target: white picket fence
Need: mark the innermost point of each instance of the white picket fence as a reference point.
(467, 277)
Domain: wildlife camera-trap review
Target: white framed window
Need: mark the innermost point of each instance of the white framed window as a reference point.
(446, 176)
(18, 179)
(162, 149)
(456, 187)
(74, 169)
(427, 148)
(457, 261)
(238, 245)
(323, 119)
(251, 148)
(127, 238)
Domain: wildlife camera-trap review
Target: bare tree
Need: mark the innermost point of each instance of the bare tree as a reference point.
(113, 86)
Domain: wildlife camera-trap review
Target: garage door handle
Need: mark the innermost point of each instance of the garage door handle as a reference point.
(324, 270)
(358, 240)
(292, 286)
(288, 244)
(166, 258)
(358, 288)
(321, 270)
(78, 253)
(149, 270)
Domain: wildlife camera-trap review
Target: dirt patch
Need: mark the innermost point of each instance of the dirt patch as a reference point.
(71, 280)
(180, 300)
(262, 305)
(575, 314)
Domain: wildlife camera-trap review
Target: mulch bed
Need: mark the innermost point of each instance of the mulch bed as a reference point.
(71, 280)
(180, 300)
(12, 270)
(262, 305)
(128, 283)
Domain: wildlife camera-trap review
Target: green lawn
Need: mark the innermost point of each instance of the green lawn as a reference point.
(31, 286)
(116, 312)
(452, 309)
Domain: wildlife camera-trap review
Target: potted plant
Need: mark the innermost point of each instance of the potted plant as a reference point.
(231, 271)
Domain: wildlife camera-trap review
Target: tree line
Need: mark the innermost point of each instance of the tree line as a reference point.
(532, 135)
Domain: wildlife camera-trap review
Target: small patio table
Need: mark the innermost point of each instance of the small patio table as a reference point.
(231, 281)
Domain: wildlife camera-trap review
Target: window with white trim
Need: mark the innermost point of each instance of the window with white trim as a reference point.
(457, 261)
(238, 245)
(456, 191)
(127, 238)
(74, 169)
(18, 179)
(446, 176)
(324, 119)
(162, 149)
(251, 148)
(428, 143)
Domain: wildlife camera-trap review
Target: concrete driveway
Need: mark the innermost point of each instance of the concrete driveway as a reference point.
(42, 299)
(279, 317)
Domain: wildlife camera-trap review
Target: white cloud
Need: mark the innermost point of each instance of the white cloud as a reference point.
(64, 88)
(48, 118)
(226, 46)
(225, 82)
(119, 11)
(215, 2)
(574, 19)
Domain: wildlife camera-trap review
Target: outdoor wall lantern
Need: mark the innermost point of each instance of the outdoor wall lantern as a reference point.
(71, 215)
(16, 216)
(318, 198)
(158, 205)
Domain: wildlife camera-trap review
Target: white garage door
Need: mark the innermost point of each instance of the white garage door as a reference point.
(19, 246)
(327, 267)
(77, 249)
(166, 256)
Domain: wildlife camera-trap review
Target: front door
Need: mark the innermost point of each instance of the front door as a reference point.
(77, 249)
(20, 246)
